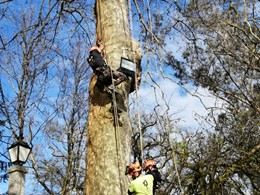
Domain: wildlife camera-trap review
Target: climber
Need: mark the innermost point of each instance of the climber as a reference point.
(150, 168)
(101, 69)
(141, 184)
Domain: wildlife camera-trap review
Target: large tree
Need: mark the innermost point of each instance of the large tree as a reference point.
(109, 127)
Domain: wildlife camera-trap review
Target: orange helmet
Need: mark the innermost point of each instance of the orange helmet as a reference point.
(134, 168)
(149, 163)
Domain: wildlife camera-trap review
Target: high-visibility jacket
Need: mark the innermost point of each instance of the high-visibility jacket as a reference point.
(143, 185)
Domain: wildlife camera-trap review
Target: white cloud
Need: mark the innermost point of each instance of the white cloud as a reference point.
(181, 104)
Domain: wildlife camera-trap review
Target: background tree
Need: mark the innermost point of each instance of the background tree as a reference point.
(60, 168)
(36, 55)
(222, 55)
(23, 75)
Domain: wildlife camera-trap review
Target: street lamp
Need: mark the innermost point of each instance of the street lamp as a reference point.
(19, 152)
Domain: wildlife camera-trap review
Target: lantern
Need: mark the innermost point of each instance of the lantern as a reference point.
(19, 152)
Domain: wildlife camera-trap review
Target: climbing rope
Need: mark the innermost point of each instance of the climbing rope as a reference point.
(117, 134)
(136, 86)
(175, 161)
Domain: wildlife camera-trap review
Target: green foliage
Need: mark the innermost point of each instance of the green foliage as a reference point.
(3, 170)
(221, 41)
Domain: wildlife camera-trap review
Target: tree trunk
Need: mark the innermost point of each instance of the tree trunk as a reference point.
(108, 149)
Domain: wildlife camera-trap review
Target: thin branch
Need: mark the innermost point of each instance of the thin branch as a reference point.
(5, 1)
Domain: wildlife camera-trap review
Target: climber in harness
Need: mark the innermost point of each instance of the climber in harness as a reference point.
(101, 69)
(150, 168)
(141, 184)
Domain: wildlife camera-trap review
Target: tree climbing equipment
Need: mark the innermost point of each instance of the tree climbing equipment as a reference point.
(135, 167)
(103, 71)
(149, 163)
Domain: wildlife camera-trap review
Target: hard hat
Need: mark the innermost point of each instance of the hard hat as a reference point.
(135, 167)
(149, 163)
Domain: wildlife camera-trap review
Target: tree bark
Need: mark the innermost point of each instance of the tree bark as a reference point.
(108, 147)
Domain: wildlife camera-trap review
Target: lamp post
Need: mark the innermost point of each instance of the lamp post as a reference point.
(19, 152)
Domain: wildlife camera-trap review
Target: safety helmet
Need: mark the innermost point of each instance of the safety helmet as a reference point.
(135, 167)
(149, 163)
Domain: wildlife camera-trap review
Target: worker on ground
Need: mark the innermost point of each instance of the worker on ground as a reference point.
(150, 168)
(141, 184)
(101, 69)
